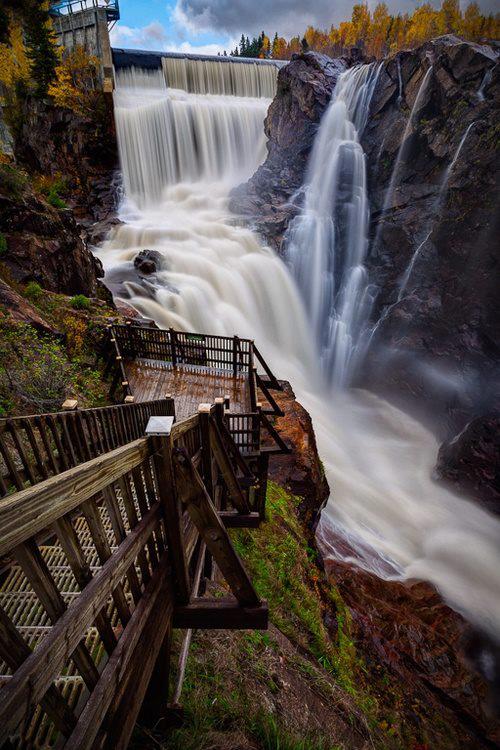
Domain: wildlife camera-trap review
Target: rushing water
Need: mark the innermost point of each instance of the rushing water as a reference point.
(333, 226)
(255, 79)
(217, 277)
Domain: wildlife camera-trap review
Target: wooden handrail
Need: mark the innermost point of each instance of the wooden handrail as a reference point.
(147, 510)
(29, 511)
(36, 447)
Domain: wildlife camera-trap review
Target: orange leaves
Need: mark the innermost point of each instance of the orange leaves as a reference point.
(75, 86)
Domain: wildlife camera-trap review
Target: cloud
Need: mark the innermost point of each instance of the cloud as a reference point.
(153, 36)
(287, 17)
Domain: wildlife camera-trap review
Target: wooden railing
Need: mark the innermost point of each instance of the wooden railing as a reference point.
(122, 536)
(178, 347)
(36, 447)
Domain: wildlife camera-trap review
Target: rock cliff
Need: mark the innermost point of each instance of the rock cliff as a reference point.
(433, 258)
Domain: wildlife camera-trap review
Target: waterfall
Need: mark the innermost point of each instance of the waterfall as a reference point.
(386, 513)
(234, 78)
(167, 136)
(327, 242)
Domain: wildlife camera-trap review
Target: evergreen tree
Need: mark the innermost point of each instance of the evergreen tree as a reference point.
(243, 46)
(41, 45)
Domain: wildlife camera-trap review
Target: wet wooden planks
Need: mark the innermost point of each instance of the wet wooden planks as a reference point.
(189, 385)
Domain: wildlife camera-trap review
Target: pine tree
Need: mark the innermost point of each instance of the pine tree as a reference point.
(41, 45)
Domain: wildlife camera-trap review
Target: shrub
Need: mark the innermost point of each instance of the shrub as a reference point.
(3, 244)
(34, 371)
(33, 291)
(80, 302)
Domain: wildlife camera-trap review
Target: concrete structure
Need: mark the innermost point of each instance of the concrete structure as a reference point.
(86, 23)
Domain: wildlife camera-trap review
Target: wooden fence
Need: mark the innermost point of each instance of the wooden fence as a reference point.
(124, 534)
(36, 447)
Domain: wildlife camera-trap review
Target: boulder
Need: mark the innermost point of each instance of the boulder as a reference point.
(148, 261)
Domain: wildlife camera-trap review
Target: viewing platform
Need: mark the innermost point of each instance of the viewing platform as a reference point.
(111, 525)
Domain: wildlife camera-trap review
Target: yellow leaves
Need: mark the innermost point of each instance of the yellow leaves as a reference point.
(14, 64)
(379, 33)
(75, 86)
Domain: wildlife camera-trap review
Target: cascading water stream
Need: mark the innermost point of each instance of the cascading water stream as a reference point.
(333, 227)
(386, 513)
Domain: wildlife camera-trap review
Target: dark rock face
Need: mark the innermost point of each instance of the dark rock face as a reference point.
(429, 651)
(472, 460)
(433, 179)
(45, 245)
(83, 150)
(304, 90)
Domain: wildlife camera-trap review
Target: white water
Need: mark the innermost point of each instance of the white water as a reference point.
(166, 136)
(255, 79)
(327, 242)
(217, 277)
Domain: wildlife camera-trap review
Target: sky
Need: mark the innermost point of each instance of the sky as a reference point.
(210, 26)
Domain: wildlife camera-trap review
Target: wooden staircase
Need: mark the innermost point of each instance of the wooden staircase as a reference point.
(106, 535)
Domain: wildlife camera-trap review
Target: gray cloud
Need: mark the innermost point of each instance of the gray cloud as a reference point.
(287, 17)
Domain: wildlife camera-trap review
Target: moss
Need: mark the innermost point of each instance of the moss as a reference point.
(12, 181)
(3, 245)
(282, 568)
(80, 302)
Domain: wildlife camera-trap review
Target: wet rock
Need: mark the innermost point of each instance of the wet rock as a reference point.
(148, 261)
(472, 460)
(44, 244)
(423, 645)
(437, 342)
(301, 471)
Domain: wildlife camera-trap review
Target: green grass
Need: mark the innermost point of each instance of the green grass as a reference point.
(33, 291)
(282, 567)
(80, 302)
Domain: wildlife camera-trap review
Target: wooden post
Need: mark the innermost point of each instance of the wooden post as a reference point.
(219, 410)
(235, 355)
(130, 336)
(71, 404)
(204, 413)
(173, 342)
(261, 488)
(227, 403)
(172, 509)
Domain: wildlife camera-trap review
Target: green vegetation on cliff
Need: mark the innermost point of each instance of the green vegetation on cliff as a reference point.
(41, 366)
(288, 688)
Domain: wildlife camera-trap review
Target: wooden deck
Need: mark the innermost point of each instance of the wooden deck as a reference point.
(189, 385)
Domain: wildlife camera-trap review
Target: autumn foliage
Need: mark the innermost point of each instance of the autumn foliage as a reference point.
(75, 86)
(379, 33)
